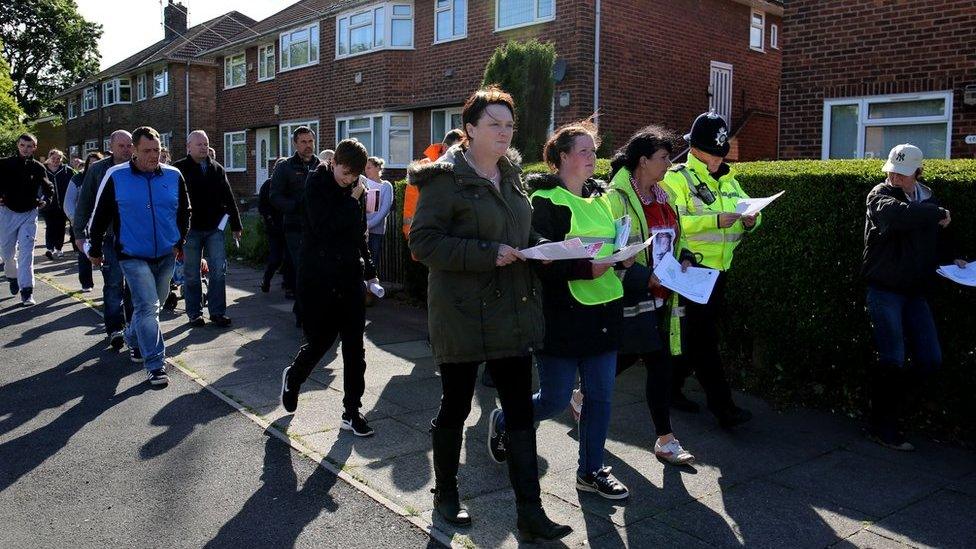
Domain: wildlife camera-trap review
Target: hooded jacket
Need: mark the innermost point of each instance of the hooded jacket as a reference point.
(476, 311)
(22, 181)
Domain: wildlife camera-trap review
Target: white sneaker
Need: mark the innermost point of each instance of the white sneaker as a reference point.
(58, 254)
(29, 302)
(576, 404)
(673, 453)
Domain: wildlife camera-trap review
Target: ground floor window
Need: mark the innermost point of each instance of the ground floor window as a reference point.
(386, 135)
(868, 127)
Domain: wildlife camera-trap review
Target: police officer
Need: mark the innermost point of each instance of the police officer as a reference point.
(706, 194)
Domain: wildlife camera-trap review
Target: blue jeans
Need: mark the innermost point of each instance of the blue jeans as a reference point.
(210, 243)
(897, 319)
(149, 284)
(376, 249)
(114, 294)
(557, 377)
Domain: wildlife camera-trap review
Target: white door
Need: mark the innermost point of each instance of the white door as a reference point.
(720, 90)
(262, 139)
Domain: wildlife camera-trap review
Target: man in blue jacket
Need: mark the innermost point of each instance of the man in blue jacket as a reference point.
(147, 205)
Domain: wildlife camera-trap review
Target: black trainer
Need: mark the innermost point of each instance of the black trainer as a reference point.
(289, 394)
(14, 287)
(496, 437)
(117, 340)
(732, 417)
(221, 321)
(356, 423)
(603, 483)
(197, 322)
(158, 377)
(135, 355)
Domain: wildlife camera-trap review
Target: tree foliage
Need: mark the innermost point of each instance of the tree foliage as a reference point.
(524, 69)
(11, 115)
(48, 46)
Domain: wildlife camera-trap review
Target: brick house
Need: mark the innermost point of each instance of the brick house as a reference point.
(150, 87)
(395, 73)
(860, 76)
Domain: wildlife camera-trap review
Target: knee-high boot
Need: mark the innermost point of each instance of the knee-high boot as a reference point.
(523, 472)
(447, 454)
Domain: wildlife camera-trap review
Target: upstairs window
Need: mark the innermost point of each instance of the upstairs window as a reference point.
(141, 87)
(266, 62)
(299, 47)
(116, 91)
(774, 37)
(90, 101)
(757, 30)
(376, 27)
(450, 20)
(235, 71)
(72, 109)
(512, 14)
(160, 82)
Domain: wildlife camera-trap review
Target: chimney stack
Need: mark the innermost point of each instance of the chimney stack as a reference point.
(174, 19)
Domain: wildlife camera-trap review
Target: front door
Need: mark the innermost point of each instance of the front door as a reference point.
(720, 90)
(263, 146)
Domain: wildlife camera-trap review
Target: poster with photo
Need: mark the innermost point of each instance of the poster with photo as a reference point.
(662, 245)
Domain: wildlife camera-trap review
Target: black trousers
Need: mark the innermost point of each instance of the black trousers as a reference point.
(84, 264)
(293, 251)
(513, 380)
(657, 385)
(278, 258)
(699, 345)
(55, 223)
(335, 313)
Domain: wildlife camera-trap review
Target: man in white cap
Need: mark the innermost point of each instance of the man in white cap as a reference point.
(903, 235)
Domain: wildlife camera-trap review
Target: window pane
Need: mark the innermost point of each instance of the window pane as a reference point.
(399, 147)
(400, 121)
(343, 36)
(460, 17)
(843, 131)
(931, 138)
(125, 94)
(757, 20)
(298, 54)
(341, 133)
(444, 29)
(903, 109)
(361, 39)
(437, 129)
(239, 74)
(364, 137)
(359, 124)
(361, 18)
(285, 140)
(379, 32)
(227, 152)
(455, 121)
(545, 8)
(755, 38)
(442, 4)
(514, 12)
(314, 47)
(377, 137)
(401, 10)
(402, 32)
(240, 157)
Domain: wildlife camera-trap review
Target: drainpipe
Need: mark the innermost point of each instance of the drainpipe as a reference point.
(186, 92)
(596, 66)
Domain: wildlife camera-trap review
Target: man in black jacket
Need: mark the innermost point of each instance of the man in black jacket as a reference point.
(22, 181)
(334, 264)
(903, 246)
(214, 208)
(287, 190)
(277, 256)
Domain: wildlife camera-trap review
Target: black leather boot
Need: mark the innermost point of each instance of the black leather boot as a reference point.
(523, 472)
(447, 454)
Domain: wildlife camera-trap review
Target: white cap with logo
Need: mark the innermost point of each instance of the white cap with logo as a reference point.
(903, 159)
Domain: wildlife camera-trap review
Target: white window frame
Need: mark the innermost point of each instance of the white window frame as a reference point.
(863, 122)
(72, 109)
(232, 139)
(141, 87)
(535, 20)
(774, 36)
(164, 73)
(90, 93)
(74, 151)
(91, 145)
(166, 140)
(450, 8)
(387, 128)
(446, 114)
(231, 61)
(762, 30)
(285, 67)
(264, 56)
(384, 42)
(285, 142)
(107, 144)
(115, 86)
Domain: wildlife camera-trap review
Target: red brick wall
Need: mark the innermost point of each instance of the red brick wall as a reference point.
(656, 57)
(853, 48)
(640, 79)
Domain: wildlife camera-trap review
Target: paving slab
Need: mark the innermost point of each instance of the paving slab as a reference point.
(867, 539)
(935, 521)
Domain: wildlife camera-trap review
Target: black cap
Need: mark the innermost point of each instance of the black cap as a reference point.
(710, 133)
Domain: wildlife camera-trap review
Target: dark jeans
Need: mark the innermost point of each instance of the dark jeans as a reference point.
(513, 380)
(902, 325)
(210, 244)
(335, 313)
(293, 248)
(84, 264)
(276, 259)
(376, 249)
(116, 298)
(699, 344)
(657, 385)
(55, 223)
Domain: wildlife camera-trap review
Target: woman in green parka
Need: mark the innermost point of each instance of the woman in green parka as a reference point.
(484, 302)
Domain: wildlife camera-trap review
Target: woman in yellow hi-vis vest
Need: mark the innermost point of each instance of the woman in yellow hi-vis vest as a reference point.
(582, 305)
(706, 194)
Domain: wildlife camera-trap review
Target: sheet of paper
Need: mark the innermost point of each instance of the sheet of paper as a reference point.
(625, 253)
(223, 222)
(752, 206)
(696, 283)
(623, 232)
(567, 249)
(966, 277)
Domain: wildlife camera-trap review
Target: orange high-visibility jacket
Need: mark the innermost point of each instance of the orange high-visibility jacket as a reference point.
(412, 194)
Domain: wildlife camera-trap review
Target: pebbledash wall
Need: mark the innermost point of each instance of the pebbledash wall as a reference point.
(860, 76)
(656, 61)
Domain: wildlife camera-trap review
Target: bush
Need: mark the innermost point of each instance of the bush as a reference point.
(254, 242)
(796, 328)
(524, 70)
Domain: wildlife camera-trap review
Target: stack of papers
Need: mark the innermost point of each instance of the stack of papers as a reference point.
(695, 284)
(966, 277)
(752, 206)
(567, 249)
(625, 253)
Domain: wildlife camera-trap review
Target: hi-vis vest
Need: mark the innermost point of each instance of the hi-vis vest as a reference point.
(698, 204)
(590, 221)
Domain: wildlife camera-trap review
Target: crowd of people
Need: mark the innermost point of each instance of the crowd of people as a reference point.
(468, 214)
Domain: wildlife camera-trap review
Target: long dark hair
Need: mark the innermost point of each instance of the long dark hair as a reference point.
(92, 157)
(645, 142)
